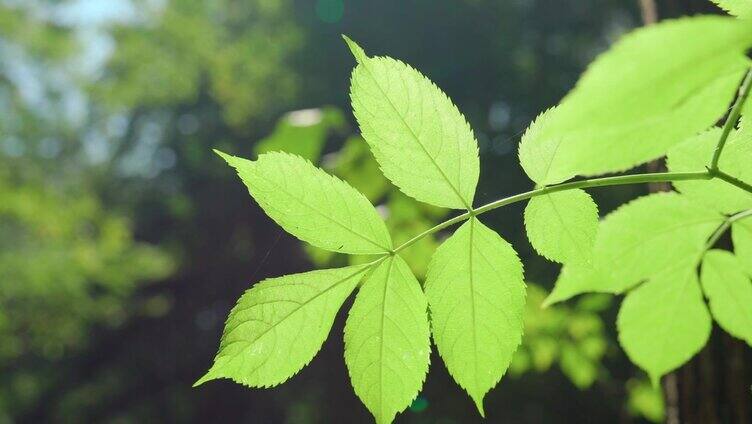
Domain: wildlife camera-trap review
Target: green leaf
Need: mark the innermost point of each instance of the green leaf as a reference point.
(387, 344)
(561, 226)
(637, 100)
(575, 279)
(694, 155)
(477, 297)
(664, 322)
(312, 205)
(741, 234)
(278, 326)
(740, 8)
(729, 290)
(645, 400)
(422, 142)
(353, 163)
(302, 132)
(649, 235)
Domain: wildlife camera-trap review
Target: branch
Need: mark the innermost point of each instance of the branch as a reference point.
(655, 177)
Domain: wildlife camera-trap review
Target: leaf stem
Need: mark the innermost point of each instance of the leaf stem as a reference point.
(654, 177)
(717, 173)
(724, 227)
(736, 111)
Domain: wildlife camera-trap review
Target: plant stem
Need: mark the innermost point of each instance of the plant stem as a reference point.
(588, 183)
(725, 226)
(736, 111)
(731, 180)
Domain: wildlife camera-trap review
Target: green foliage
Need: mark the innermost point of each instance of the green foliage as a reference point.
(574, 280)
(312, 205)
(476, 295)
(354, 164)
(693, 154)
(278, 326)
(474, 289)
(302, 132)
(387, 344)
(645, 238)
(645, 400)
(741, 234)
(238, 53)
(67, 264)
(421, 141)
(729, 290)
(637, 100)
(664, 322)
(648, 236)
(561, 226)
(573, 337)
(740, 8)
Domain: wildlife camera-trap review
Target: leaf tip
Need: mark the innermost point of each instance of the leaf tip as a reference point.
(479, 404)
(207, 377)
(223, 155)
(357, 51)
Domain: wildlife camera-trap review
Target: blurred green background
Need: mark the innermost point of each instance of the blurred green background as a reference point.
(124, 241)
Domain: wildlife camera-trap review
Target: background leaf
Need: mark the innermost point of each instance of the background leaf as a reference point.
(729, 290)
(422, 142)
(354, 164)
(477, 297)
(277, 326)
(561, 226)
(652, 102)
(694, 155)
(312, 205)
(387, 344)
(649, 236)
(302, 132)
(664, 322)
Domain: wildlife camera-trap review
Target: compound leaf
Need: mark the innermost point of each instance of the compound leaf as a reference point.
(740, 8)
(649, 235)
(729, 290)
(422, 142)
(694, 154)
(387, 343)
(637, 100)
(312, 205)
(562, 226)
(741, 235)
(476, 295)
(277, 326)
(664, 322)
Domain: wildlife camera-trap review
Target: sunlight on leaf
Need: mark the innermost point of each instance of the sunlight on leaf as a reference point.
(477, 297)
(729, 290)
(561, 226)
(422, 142)
(387, 342)
(278, 326)
(664, 322)
(312, 205)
